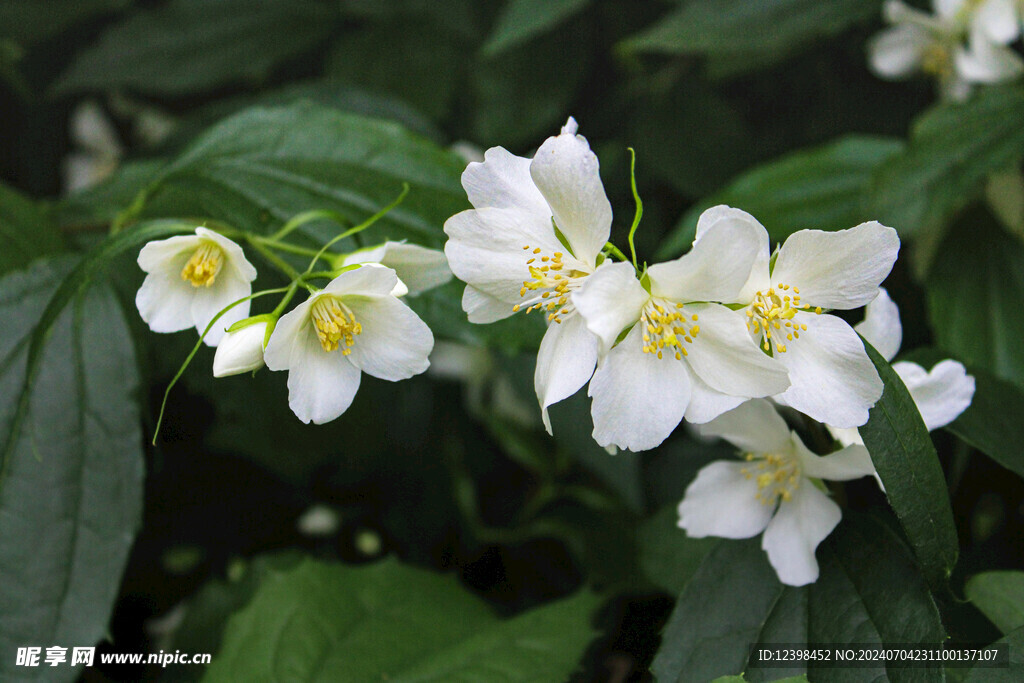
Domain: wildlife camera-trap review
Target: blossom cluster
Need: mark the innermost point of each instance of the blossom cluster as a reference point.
(724, 337)
(356, 323)
(961, 44)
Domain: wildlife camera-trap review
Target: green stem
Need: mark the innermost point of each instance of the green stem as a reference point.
(309, 217)
(329, 274)
(286, 247)
(616, 252)
(639, 204)
(199, 343)
(276, 260)
(362, 226)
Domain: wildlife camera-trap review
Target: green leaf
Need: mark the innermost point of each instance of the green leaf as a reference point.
(953, 149)
(26, 231)
(259, 168)
(30, 22)
(906, 461)
(668, 557)
(734, 603)
(190, 45)
(822, 188)
(336, 622)
(1000, 595)
(100, 205)
(714, 27)
(741, 679)
(71, 484)
(521, 20)
(974, 292)
(1012, 674)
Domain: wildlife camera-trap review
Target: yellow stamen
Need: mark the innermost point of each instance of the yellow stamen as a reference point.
(201, 270)
(335, 323)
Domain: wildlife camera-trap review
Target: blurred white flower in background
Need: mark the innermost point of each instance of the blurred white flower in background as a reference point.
(962, 44)
(536, 232)
(97, 149)
(354, 325)
(190, 278)
(775, 489)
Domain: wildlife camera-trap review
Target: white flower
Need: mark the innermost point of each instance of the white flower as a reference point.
(961, 44)
(240, 350)
(190, 279)
(831, 377)
(418, 268)
(999, 20)
(773, 490)
(940, 395)
(536, 233)
(682, 354)
(353, 325)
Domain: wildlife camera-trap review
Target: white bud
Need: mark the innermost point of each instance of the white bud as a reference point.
(240, 351)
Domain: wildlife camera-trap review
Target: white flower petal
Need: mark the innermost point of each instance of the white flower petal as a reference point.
(240, 351)
(722, 501)
(717, 267)
(942, 394)
(881, 325)
(234, 256)
(833, 380)
(484, 308)
(566, 172)
(370, 279)
(986, 62)
(847, 436)
(795, 532)
(502, 181)
(897, 52)
(610, 300)
(948, 9)
(165, 300)
(290, 334)
(998, 20)
(724, 215)
(207, 304)
(394, 343)
(851, 462)
(638, 398)
(753, 427)
(837, 269)
(159, 254)
(485, 249)
(727, 359)
(418, 267)
(565, 361)
(321, 384)
(706, 403)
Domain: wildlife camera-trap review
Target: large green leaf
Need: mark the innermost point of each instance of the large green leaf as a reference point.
(388, 621)
(668, 557)
(974, 292)
(190, 45)
(953, 149)
(823, 188)
(1012, 674)
(259, 168)
(1000, 595)
(869, 592)
(71, 484)
(909, 467)
(26, 231)
(521, 20)
(716, 27)
(28, 22)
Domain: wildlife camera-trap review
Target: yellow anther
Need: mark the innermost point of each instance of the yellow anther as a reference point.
(334, 323)
(202, 268)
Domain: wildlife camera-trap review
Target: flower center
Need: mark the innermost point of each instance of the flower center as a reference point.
(771, 315)
(201, 270)
(335, 322)
(936, 60)
(777, 476)
(550, 285)
(665, 324)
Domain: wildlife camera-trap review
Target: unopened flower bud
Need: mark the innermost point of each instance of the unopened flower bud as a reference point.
(240, 351)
